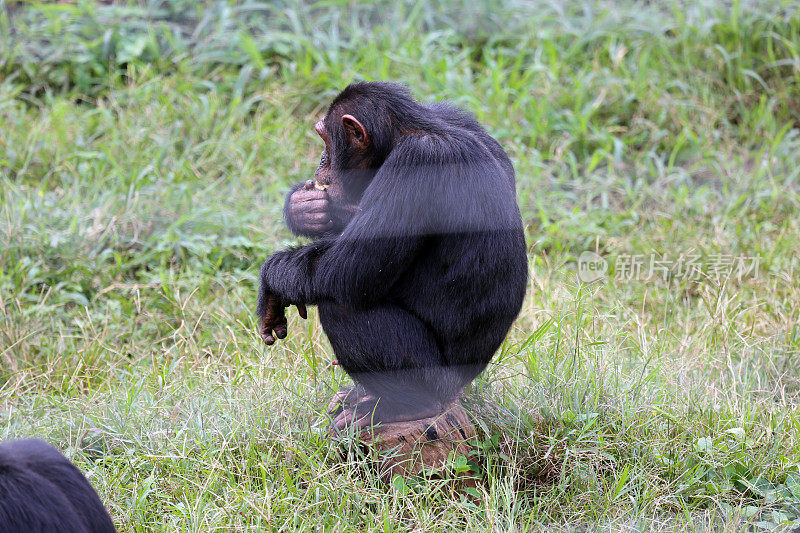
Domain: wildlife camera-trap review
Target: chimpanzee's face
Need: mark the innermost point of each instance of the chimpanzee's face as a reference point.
(346, 166)
(324, 176)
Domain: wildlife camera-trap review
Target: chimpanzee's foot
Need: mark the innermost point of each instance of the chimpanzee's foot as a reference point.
(347, 398)
(370, 412)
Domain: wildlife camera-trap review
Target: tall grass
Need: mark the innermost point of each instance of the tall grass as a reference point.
(145, 148)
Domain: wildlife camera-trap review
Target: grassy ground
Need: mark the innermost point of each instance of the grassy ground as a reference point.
(144, 153)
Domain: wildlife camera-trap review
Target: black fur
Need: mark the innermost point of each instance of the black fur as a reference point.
(41, 491)
(422, 285)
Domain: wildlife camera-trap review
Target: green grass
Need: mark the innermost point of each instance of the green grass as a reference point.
(144, 153)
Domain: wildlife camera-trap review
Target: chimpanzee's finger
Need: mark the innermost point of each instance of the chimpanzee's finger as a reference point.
(328, 224)
(309, 185)
(306, 195)
(318, 205)
(301, 310)
(318, 218)
(268, 323)
(318, 228)
(280, 326)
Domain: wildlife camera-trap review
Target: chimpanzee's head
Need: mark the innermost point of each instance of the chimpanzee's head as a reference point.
(359, 131)
(347, 164)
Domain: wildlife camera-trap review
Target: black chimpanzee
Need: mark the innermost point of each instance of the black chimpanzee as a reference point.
(42, 492)
(420, 266)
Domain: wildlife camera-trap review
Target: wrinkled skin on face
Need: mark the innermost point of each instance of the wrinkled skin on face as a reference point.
(323, 176)
(342, 204)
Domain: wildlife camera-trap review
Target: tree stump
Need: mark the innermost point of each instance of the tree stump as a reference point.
(408, 448)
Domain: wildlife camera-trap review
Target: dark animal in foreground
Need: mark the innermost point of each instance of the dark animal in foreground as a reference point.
(419, 267)
(41, 491)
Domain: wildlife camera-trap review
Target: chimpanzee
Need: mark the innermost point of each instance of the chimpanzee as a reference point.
(41, 491)
(419, 267)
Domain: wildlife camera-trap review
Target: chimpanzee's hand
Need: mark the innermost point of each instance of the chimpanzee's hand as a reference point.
(273, 323)
(309, 209)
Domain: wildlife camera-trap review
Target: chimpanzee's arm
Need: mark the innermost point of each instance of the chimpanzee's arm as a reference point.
(360, 265)
(289, 275)
(429, 186)
(382, 239)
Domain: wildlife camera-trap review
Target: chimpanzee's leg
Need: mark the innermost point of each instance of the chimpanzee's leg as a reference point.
(347, 399)
(394, 357)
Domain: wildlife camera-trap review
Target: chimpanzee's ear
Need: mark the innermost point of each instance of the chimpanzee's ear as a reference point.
(356, 131)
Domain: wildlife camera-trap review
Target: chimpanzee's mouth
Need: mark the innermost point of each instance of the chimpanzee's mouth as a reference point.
(322, 175)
